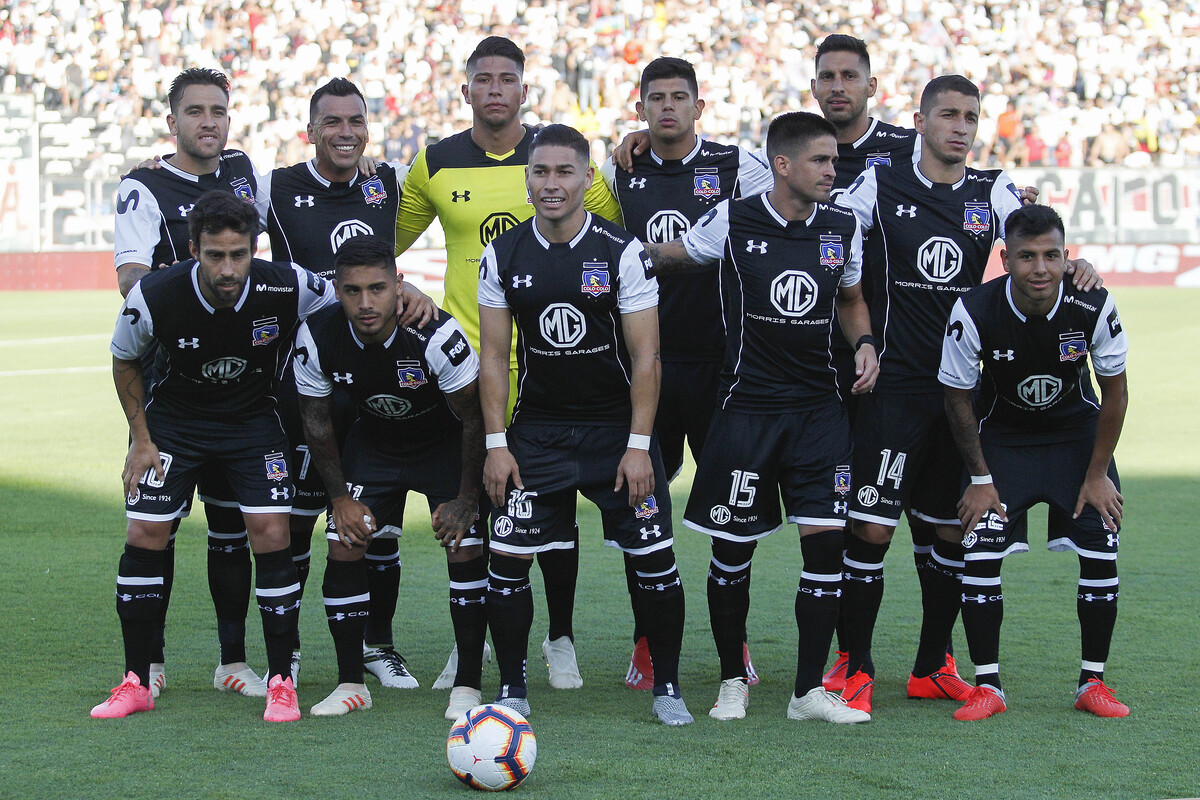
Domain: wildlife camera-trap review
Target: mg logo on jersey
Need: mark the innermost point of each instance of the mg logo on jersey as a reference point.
(184, 344)
(667, 226)
(308, 201)
(719, 514)
(756, 247)
(906, 211)
(940, 259)
(495, 225)
(222, 370)
(868, 496)
(1039, 391)
(562, 325)
(464, 195)
(793, 293)
(386, 405)
(637, 183)
(348, 230)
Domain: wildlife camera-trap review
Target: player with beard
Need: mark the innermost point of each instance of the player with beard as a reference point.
(474, 184)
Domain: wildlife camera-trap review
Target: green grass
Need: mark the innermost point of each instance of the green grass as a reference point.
(63, 441)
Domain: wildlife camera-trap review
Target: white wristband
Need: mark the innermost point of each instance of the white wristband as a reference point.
(494, 440)
(638, 441)
(981, 480)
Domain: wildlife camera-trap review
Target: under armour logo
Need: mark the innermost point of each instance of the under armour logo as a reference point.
(906, 211)
(1002, 355)
(308, 201)
(519, 281)
(755, 247)
(339, 377)
(974, 598)
(822, 592)
(841, 507)
(1114, 539)
(637, 183)
(280, 493)
(466, 601)
(465, 196)
(186, 343)
(1091, 598)
(183, 210)
(651, 533)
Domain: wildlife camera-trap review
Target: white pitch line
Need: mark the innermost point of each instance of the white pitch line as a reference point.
(21, 373)
(90, 337)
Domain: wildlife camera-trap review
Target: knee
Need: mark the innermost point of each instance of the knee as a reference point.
(464, 554)
(872, 532)
(148, 535)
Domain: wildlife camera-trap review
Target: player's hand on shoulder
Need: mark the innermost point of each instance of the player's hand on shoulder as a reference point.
(1029, 195)
(367, 165)
(149, 163)
(143, 456)
(634, 144)
(352, 521)
(976, 502)
(415, 308)
(452, 519)
(1084, 275)
(1101, 493)
(637, 473)
(499, 468)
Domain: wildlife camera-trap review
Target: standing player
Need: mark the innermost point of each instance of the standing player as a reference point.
(309, 210)
(151, 230)
(663, 193)
(787, 261)
(419, 427)
(931, 228)
(220, 322)
(474, 183)
(1028, 335)
(587, 344)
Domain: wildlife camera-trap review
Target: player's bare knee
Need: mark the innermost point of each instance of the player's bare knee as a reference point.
(872, 532)
(147, 534)
(950, 533)
(339, 552)
(464, 554)
(268, 532)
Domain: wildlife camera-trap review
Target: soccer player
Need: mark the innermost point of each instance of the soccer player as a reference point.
(665, 191)
(787, 260)
(151, 231)
(419, 427)
(474, 183)
(1025, 339)
(220, 322)
(931, 227)
(309, 210)
(587, 338)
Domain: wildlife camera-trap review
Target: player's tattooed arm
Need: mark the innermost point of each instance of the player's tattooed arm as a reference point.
(495, 342)
(979, 498)
(1098, 490)
(452, 520)
(352, 520)
(415, 308)
(636, 471)
(129, 274)
(855, 320)
(634, 144)
(669, 257)
(143, 454)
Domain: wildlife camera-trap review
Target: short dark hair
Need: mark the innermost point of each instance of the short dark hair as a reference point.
(1031, 221)
(791, 132)
(365, 251)
(841, 43)
(561, 136)
(666, 68)
(946, 83)
(196, 76)
(501, 48)
(338, 87)
(218, 211)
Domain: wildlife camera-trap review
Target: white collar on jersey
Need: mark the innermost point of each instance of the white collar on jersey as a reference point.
(683, 160)
(312, 168)
(928, 183)
(187, 176)
(361, 346)
(587, 223)
(1017, 311)
(204, 302)
(783, 223)
(870, 130)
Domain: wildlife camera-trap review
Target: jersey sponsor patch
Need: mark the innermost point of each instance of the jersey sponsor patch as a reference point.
(646, 509)
(128, 203)
(1114, 324)
(456, 349)
(1071, 346)
(316, 283)
(265, 331)
(373, 191)
(410, 374)
(276, 466)
(977, 218)
(706, 182)
(595, 278)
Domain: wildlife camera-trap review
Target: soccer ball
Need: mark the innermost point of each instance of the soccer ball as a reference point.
(491, 747)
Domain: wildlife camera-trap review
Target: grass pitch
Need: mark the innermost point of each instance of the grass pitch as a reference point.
(62, 528)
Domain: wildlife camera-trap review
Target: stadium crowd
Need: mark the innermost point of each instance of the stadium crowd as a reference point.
(1066, 82)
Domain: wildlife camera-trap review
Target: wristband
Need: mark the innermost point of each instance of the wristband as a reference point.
(981, 480)
(866, 338)
(639, 441)
(495, 440)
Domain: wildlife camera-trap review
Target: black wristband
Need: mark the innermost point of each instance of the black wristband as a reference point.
(865, 339)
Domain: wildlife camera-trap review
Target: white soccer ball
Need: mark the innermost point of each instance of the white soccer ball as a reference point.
(491, 747)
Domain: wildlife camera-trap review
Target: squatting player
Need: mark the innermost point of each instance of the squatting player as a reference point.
(219, 322)
(1036, 433)
(587, 324)
(787, 260)
(419, 427)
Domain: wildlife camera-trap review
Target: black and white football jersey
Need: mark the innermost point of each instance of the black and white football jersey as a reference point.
(927, 245)
(660, 201)
(778, 283)
(151, 225)
(567, 300)
(882, 144)
(216, 363)
(1035, 382)
(308, 217)
(399, 386)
